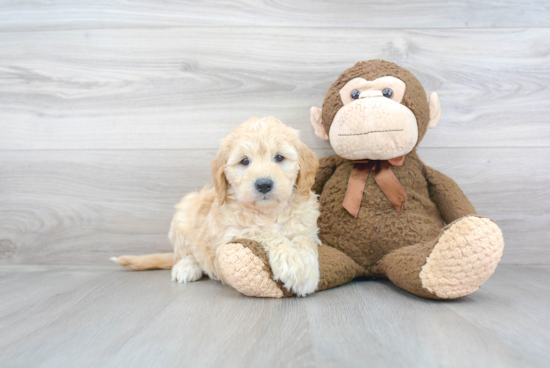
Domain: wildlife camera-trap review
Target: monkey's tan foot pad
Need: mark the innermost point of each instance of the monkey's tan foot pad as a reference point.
(465, 255)
(247, 273)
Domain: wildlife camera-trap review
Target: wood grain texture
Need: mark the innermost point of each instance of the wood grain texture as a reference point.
(82, 207)
(70, 14)
(186, 88)
(111, 111)
(108, 317)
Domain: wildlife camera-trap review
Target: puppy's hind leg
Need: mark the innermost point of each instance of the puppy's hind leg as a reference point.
(186, 268)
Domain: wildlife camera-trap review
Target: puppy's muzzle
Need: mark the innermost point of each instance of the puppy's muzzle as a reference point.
(264, 185)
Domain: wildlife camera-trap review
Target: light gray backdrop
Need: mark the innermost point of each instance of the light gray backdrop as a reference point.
(111, 111)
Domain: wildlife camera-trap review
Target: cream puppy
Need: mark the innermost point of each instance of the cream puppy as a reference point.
(262, 178)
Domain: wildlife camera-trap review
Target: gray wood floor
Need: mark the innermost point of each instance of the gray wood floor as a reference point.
(71, 316)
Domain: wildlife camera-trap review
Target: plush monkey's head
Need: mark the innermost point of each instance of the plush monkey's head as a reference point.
(375, 110)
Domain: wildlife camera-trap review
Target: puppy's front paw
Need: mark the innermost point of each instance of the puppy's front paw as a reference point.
(296, 267)
(186, 270)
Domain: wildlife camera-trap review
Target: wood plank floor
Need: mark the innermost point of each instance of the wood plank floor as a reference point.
(60, 316)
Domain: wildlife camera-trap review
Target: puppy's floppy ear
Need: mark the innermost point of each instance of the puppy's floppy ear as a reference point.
(308, 168)
(218, 174)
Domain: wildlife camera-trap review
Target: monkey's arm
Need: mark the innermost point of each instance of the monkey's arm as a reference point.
(447, 195)
(327, 166)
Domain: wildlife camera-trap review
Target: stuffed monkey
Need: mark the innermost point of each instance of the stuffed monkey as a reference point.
(384, 213)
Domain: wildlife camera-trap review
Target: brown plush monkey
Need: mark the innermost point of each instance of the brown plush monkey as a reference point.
(384, 212)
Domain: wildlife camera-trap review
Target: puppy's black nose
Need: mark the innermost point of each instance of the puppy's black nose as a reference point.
(264, 185)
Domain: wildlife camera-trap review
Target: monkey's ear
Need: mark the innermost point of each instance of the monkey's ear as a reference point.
(435, 110)
(317, 122)
(308, 168)
(218, 175)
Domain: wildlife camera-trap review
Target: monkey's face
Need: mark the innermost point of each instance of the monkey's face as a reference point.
(375, 110)
(373, 124)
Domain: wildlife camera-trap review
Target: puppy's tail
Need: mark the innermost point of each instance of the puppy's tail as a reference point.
(163, 261)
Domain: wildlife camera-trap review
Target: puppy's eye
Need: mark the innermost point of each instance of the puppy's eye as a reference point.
(245, 161)
(387, 93)
(355, 94)
(279, 158)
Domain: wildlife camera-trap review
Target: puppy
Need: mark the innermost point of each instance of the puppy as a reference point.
(262, 179)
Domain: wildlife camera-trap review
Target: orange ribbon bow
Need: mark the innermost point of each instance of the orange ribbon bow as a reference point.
(385, 178)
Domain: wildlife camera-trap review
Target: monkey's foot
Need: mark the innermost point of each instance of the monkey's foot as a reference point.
(463, 258)
(245, 267)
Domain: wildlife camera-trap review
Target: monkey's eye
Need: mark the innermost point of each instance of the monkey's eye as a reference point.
(245, 161)
(279, 158)
(387, 93)
(355, 94)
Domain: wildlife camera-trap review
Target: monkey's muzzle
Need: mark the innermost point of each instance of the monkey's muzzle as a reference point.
(374, 128)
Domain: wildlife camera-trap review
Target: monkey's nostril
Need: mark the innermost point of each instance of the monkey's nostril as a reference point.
(264, 185)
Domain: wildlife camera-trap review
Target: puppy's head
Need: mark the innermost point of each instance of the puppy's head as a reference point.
(261, 163)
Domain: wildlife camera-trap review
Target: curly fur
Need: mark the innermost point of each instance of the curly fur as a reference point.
(284, 220)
